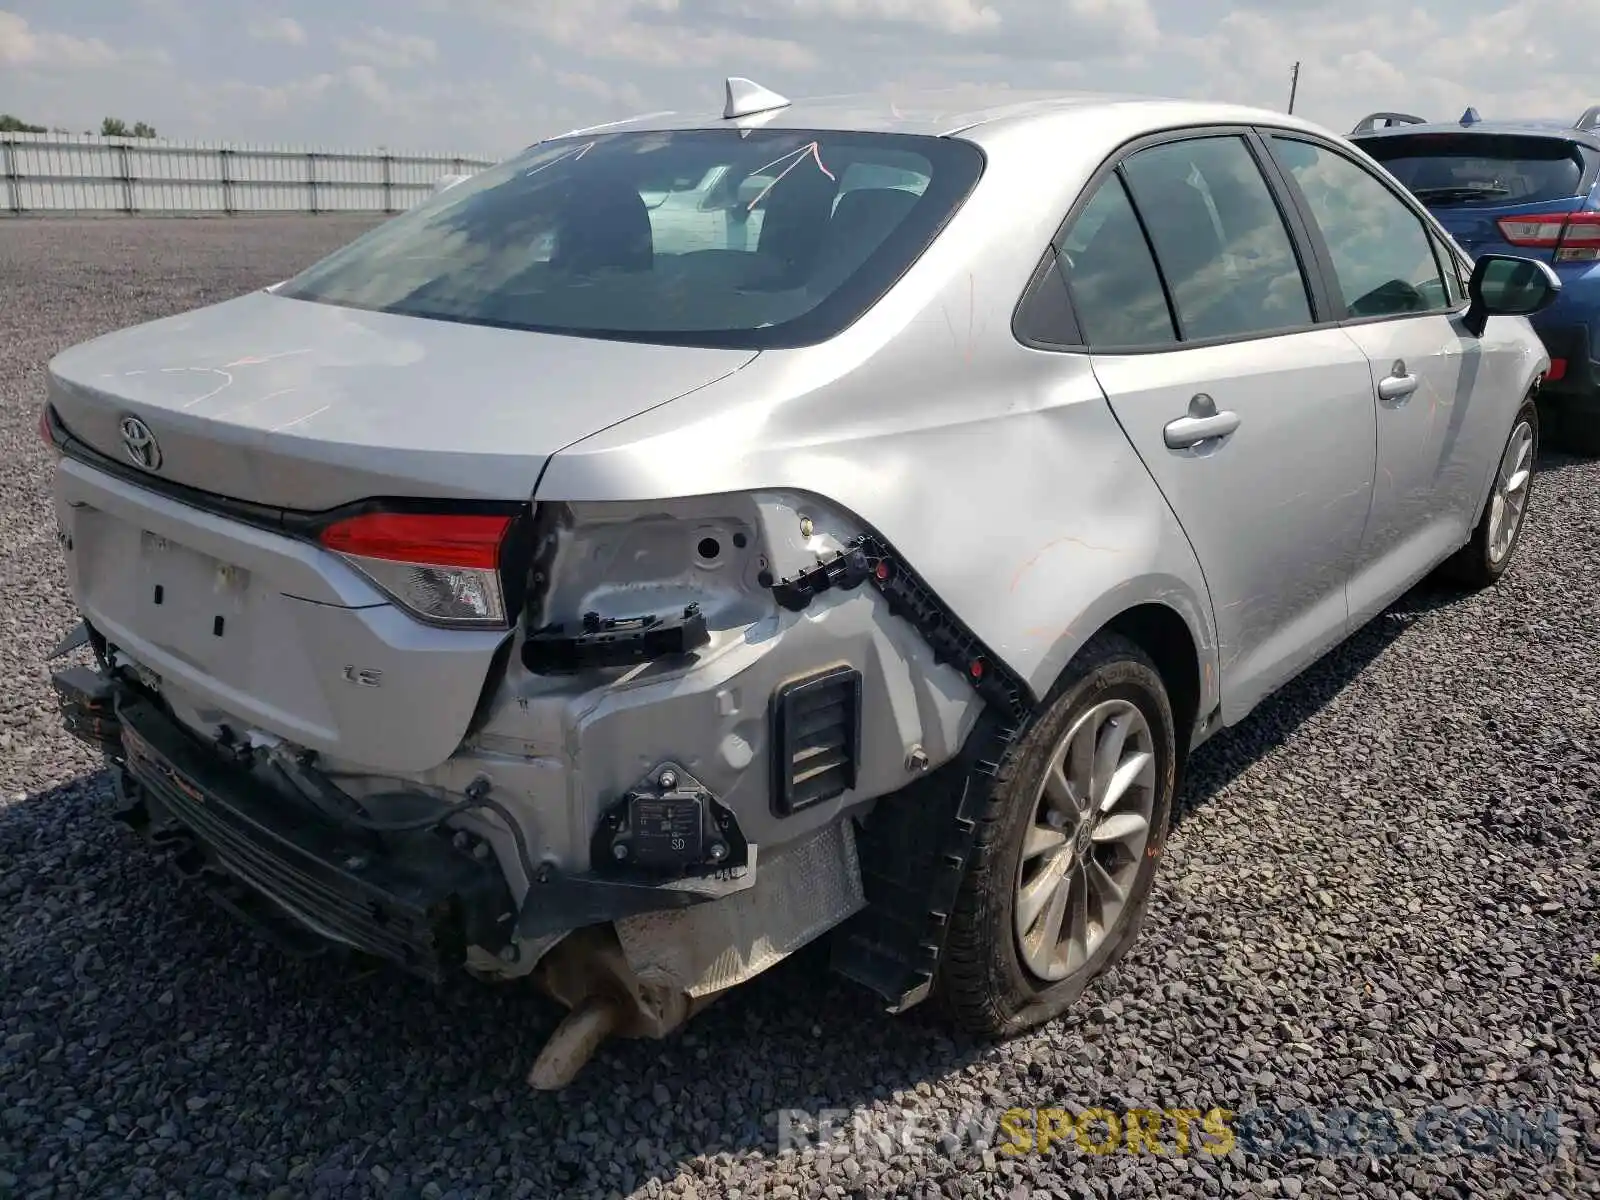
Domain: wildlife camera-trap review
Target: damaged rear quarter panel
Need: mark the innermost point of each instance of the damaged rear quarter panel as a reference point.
(572, 742)
(996, 471)
(1032, 519)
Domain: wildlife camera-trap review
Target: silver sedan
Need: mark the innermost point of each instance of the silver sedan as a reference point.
(700, 534)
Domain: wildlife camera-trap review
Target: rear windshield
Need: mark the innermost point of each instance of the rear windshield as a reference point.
(1477, 168)
(745, 239)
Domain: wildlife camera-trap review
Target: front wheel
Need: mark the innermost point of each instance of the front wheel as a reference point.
(1485, 558)
(1067, 848)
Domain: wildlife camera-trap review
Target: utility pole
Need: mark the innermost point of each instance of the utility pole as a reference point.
(1294, 84)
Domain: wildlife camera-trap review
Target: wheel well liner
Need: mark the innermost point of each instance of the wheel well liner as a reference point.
(1162, 634)
(915, 845)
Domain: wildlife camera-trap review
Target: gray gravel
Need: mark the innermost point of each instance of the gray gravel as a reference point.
(1382, 894)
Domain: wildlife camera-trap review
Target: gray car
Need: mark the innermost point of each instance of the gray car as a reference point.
(567, 581)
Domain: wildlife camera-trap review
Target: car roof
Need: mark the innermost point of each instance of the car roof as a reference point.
(958, 110)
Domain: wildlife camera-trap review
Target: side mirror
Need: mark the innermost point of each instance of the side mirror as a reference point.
(1504, 285)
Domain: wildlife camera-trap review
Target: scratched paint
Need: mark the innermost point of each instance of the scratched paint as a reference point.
(1064, 540)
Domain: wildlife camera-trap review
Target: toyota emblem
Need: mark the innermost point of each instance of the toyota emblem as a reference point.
(141, 445)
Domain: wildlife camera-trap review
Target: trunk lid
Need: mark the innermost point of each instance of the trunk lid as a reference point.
(304, 405)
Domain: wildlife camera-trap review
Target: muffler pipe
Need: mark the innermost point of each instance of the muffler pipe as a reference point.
(574, 1042)
(588, 973)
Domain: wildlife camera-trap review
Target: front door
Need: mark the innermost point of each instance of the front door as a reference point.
(1443, 406)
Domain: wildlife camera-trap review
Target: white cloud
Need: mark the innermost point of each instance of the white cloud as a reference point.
(647, 32)
(608, 92)
(1433, 60)
(945, 16)
(278, 29)
(496, 74)
(1029, 30)
(370, 85)
(271, 102)
(23, 46)
(386, 49)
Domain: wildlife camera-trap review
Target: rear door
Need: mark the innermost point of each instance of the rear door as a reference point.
(1201, 318)
(1444, 399)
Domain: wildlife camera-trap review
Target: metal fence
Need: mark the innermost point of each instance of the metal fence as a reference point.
(46, 172)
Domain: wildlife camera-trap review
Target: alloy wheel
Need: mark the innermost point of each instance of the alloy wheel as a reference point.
(1510, 500)
(1089, 833)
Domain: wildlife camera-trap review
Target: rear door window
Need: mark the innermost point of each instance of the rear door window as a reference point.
(1450, 169)
(1229, 261)
(1116, 289)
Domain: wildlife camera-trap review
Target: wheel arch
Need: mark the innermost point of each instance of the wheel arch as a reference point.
(1529, 395)
(915, 846)
(1164, 635)
(1170, 626)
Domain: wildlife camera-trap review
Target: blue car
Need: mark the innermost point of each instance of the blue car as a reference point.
(1527, 188)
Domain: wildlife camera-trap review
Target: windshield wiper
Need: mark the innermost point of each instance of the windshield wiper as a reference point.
(1473, 191)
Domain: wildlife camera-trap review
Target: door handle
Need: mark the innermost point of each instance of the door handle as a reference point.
(1203, 424)
(1398, 385)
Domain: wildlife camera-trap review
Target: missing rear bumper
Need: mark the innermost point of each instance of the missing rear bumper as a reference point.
(415, 898)
(412, 898)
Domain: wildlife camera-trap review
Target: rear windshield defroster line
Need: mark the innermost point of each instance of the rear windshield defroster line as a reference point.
(739, 239)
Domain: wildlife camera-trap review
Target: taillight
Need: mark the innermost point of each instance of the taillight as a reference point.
(1557, 371)
(1575, 237)
(444, 568)
(44, 426)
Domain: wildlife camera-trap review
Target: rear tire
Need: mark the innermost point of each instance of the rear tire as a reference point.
(1480, 563)
(1064, 844)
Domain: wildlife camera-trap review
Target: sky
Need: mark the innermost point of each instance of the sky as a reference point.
(491, 76)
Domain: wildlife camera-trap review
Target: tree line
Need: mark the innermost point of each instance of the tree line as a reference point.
(110, 127)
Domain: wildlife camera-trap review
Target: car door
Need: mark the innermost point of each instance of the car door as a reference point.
(1201, 317)
(1442, 406)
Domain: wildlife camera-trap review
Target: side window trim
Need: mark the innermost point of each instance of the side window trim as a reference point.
(1024, 321)
(1324, 254)
(1449, 274)
(1310, 254)
(1106, 173)
(1327, 307)
(1117, 177)
(1180, 339)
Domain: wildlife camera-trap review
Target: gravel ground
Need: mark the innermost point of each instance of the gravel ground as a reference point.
(1382, 894)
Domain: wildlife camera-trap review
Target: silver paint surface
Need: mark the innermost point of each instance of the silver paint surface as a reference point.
(1031, 489)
